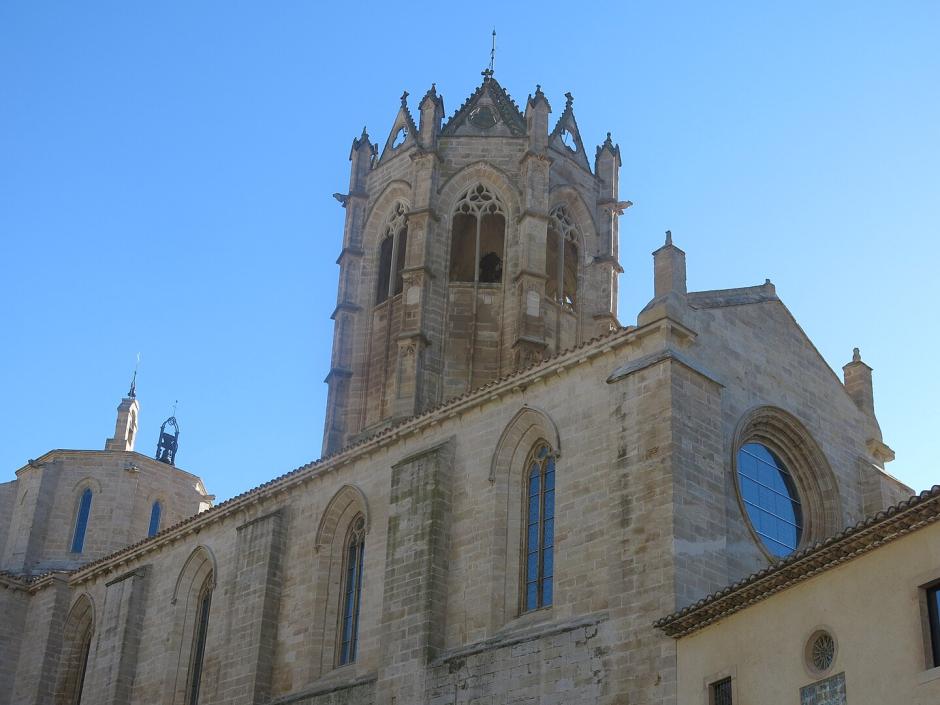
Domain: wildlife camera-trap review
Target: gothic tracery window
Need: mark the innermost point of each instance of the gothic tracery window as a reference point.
(352, 591)
(561, 257)
(392, 255)
(540, 529)
(478, 237)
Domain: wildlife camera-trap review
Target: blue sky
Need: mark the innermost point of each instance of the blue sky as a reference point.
(166, 171)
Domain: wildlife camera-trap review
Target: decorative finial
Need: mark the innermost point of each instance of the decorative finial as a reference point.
(404, 98)
(175, 403)
(364, 133)
(132, 393)
(569, 98)
(856, 355)
(493, 53)
(669, 237)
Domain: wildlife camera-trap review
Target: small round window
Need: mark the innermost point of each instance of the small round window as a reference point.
(770, 498)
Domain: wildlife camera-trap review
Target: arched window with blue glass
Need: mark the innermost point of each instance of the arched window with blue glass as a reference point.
(770, 498)
(81, 521)
(538, 590)
(352, 591)
(155, 513)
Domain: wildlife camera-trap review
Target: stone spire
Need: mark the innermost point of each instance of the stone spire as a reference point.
(125, 428)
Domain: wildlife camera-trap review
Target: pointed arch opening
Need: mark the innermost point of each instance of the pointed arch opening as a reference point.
(77, 636)
(562, 258)
(392, 250)
(340, 582)
(190, 637)
(478, 237)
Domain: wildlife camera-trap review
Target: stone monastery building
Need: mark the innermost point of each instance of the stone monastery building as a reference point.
(514, 485)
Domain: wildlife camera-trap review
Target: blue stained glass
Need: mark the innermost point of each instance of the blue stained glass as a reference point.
(771, 501)
(81, 522)
(548, 562)
(531, 596)
(547, 592)
(540, 530)
(351, 599)
(534, 510)
(532, 564)
(155, 512)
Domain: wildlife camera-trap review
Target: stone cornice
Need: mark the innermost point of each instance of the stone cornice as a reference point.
(894, 523)
(345, 307)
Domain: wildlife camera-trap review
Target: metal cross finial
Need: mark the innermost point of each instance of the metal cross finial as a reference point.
(175, 402)
(493, 53)
(132, 394)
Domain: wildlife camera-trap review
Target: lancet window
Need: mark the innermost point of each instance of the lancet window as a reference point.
(155, 511)
(392, 255)
(479, 235)
(561, 257)
(203, 604)
(540, 529)
(352, 591)
(81, 521)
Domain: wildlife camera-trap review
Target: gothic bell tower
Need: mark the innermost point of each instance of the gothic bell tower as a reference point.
(472, 248)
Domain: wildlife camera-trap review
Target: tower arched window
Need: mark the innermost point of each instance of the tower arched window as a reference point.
(478, 238)
(539, 529)
(81, 521)
(561, 257)
(155, 511)
(203, 603)
(392, 255)
(352, 591)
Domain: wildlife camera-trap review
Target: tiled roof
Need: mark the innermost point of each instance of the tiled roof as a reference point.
(867, 535)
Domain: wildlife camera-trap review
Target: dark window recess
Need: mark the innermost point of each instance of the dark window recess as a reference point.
(933, 609)
(721, 692)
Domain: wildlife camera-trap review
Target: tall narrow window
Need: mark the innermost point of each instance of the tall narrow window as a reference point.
(81, 521)
(561, 258)
(540, 529)
(352, 592)
(478, 238)
(83, 666)
(155, 511)
(933, 614)
(392, 255)
(199, 641)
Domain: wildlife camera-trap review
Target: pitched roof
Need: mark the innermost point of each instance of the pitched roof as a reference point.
(867, 535)
(508, 110)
